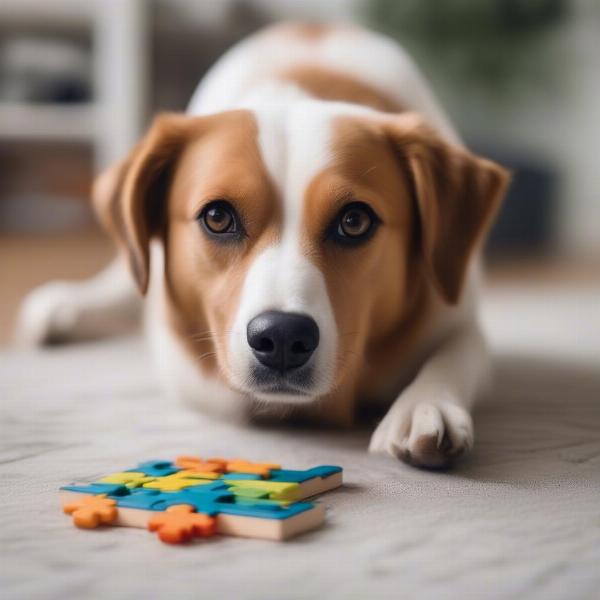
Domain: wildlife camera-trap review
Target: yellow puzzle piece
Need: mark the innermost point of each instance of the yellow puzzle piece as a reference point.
(191, 474)
(181, 480)
(132, 479)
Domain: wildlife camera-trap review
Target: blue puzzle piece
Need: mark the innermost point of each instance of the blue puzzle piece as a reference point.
(208, 503)
(156, 468)
(212, 499)
(242, 476)
(226, 503)
(264, 509)
(110, 489)
(218, 485)
(300, 476)
(139, 498)
(152, 499)
(263, 501)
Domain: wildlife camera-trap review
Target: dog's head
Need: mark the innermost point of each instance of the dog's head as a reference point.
(296, 239)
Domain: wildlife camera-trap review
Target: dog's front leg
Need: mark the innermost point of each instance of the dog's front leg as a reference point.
(64, 311)
(430, 423)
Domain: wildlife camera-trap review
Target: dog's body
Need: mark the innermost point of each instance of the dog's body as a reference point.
(315, 243)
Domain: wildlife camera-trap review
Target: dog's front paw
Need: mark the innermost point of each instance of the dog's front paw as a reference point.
(48, 315)
(424, 434)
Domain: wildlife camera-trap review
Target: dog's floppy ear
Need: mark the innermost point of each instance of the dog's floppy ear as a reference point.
(457, 196)
(129, 197)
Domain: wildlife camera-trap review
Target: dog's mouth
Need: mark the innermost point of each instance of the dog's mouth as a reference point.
(294, 385)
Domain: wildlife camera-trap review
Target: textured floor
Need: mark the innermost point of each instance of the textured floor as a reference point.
(520, 518)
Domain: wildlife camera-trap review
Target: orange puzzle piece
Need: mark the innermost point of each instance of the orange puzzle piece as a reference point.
(91, 511)
(220, 465)
(180, 523)
(195, 463)
(239, 465)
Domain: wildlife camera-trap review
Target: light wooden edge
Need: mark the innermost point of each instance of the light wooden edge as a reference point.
(318, 485)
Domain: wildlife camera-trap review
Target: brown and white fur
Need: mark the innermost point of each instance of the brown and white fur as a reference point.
(289, 126)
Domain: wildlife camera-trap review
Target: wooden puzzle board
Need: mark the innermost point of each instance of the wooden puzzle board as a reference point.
(192, 497)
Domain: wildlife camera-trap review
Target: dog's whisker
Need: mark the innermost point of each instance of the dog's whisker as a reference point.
(202, 357)
(208, 336)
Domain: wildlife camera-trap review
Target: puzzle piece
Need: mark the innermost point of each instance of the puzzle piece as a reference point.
(253, 476)
(156, 468)
(218, 486)
(195, 463)
(302, 476)
(255, 493)
(90, 511)
(191, 474)
(108, 489)
(180, 524)
(139, 498)
(221, 465)
(276, 490)
(264, 509)
(176, 482)
(223, 502)
(131, 479)
(209, 503)
(239, 465)
(311, 481)
(241, 500)
(211, 499)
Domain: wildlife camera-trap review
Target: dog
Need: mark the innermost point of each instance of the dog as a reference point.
(308, 239)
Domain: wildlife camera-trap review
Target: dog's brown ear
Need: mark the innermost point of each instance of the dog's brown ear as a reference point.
(129, 197)
(457, 196)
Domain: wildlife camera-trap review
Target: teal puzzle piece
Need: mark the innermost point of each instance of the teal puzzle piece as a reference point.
(289, 476)
(243, 476)
(156, 468)
(225, 503)
(115, 490)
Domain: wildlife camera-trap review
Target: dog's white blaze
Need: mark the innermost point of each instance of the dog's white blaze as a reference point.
(294, 140)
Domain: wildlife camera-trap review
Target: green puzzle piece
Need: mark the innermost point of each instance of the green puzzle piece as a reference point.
(275, 490)
(249, 492)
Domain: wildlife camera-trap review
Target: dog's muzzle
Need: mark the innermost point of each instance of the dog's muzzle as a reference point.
(283, 343)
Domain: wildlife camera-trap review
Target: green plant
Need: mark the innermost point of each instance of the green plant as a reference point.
(494, 44)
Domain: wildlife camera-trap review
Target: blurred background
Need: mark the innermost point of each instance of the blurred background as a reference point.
(80, 80)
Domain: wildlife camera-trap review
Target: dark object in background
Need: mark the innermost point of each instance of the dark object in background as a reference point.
(526, 222)
(44, 69)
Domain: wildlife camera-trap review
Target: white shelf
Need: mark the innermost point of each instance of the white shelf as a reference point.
(70, 122)
(120, 51)
(47, 12)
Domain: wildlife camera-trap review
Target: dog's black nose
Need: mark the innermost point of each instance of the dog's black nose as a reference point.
(282, 340)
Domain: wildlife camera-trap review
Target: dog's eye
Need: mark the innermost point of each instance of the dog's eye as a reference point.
(219, 217)
(355, 223)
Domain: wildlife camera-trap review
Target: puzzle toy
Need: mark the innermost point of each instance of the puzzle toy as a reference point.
(192, 497)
